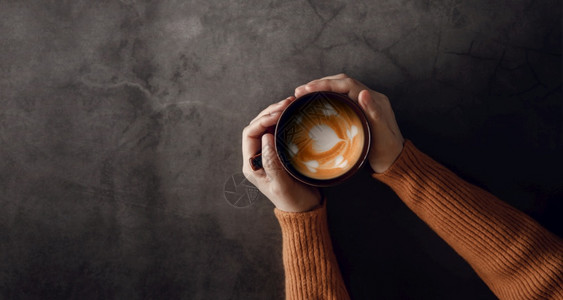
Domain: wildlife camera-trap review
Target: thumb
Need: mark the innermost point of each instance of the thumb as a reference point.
(380, 115)
(270, 160)
(370, 107)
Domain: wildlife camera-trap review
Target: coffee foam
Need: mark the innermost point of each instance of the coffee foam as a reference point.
(325, 139)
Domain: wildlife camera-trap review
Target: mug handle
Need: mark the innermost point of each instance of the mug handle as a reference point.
(256, 161)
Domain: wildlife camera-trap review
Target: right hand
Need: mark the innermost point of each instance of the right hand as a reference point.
(386, 139)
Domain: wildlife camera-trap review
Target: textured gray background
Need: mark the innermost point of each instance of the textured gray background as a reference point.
(120, 123)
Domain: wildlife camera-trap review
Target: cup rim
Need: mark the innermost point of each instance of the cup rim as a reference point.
(357, 165)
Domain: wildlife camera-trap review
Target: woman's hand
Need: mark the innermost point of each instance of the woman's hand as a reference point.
(386, 139)
(273, 181)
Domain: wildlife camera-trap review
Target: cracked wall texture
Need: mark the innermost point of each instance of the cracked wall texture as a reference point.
(120, 123)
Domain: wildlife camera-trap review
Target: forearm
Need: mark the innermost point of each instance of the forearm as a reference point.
(513, 254)
(311, 269)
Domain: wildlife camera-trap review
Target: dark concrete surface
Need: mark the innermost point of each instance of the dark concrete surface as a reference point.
(120, 124)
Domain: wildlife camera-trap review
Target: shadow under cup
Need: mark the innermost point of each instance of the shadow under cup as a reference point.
(322, 138)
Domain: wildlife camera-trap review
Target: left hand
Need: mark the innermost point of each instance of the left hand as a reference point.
(273, 181)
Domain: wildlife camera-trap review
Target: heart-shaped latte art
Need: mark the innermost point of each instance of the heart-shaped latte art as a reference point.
(325, 140)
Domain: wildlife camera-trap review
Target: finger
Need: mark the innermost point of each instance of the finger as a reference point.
(270, 160)
(364, 99)
(380, 109)
(257, 128)
(369, 106)
(347, 86)
(382, 122)
(251, 135)
(337, 76)
(278, 106)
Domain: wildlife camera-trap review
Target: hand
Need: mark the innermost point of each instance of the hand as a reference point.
(273, 181)
(386, 139)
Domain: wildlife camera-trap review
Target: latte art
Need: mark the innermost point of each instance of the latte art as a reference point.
(324, 139)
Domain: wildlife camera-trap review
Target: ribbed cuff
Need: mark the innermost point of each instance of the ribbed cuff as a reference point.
(512, 253)
(311, 270)
(315, 213)
(415, 176)
(408, 156)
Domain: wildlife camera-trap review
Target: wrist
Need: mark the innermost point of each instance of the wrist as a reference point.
(382, 162)
(399, 160)
(301, 204)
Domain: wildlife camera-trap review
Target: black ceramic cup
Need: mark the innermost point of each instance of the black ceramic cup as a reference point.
(321, 139)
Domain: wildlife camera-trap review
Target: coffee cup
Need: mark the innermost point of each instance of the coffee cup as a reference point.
(321, 139)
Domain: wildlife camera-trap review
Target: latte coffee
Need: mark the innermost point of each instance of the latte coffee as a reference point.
(323, 138)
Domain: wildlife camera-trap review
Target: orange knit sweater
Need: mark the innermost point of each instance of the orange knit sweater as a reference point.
(513, 254)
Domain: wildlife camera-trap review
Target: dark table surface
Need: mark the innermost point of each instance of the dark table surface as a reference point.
(120, 125)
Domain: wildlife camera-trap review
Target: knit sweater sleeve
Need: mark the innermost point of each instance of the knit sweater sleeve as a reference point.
(311, 269)
(515, 256)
